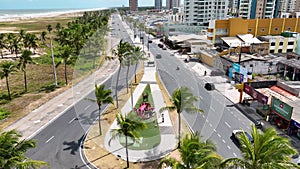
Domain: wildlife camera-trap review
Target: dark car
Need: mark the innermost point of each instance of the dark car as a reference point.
(164, 48)
(209, 86)
(158, 56)
(235, 137)
(160, 45)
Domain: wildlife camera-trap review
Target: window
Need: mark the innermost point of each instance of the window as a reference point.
(290, 43)
(288, 29)
(271, 51)
(249, 30)
(272, 43)
(276, 29)
(279, 50)
(262, 29)
(280, 43)
(289, 50)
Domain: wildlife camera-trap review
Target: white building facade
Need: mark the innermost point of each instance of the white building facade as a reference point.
(199, 12)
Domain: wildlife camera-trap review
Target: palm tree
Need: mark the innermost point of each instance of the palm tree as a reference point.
(194, 154)
(123, 50)
(43, 37)
(58, 27)
(182, 100)
(66, 58)
(103, 96)
(7, 67)
(24, 60)
(128, 128)
(138, 54)
(12, 152)
(49, 28)
(269, 150)
(2, 43)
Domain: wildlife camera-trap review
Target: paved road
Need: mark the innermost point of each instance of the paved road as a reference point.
(219, 119)
(59, 143)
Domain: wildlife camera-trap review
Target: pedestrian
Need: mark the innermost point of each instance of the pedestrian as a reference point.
(205, 73)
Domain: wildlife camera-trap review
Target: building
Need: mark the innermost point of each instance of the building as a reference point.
(158, 4)
(199, 12)
(133, 4)
(280, 44)
(256, 27)
(170, 4)
(250, 9)
(287, 6)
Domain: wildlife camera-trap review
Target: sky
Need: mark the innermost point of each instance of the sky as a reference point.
(54, 4)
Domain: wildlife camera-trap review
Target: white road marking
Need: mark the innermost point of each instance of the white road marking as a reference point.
(248, 127)
(231, 112)
(60, 105)
(210, 124)
(72, 120)
(234, 154)
(87, 107)
(215, 130)
(203, 116)
(219, 135)
(229, 147)
(212, 109)
(49, 139)
(223, 141)
(201, 97)
(227, 124)
(206, 120)
(239, 119)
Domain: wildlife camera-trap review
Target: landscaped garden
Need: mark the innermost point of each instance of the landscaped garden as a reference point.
(149, 137)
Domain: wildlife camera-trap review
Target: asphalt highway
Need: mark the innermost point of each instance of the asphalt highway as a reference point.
(218, 120)
(59, 143)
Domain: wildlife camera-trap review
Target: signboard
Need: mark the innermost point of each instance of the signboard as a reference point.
(236, 67)
(244, 72)
(255, 94)
(282, 108)
(230, 72)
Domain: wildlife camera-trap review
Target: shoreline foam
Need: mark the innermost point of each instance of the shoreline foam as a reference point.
(48, 14)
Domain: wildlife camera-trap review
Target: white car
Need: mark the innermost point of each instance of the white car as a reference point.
(235, 137)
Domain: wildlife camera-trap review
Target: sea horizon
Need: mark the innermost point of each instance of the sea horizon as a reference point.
(13, 14)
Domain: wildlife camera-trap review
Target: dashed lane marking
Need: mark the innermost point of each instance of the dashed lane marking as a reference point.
(227, 124)
(87, 107)
(234, 154)
(229, 147)
(49, 139)
(223, 141)
(219, 135)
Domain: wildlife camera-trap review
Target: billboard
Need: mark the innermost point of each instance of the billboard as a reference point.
(282, 108)
(255, 94)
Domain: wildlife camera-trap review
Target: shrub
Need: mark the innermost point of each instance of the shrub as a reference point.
(4, 113)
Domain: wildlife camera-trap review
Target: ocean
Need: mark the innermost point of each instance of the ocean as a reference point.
(14, 14)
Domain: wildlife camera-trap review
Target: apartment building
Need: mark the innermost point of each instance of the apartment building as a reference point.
(170, 4)
(250, 9)
(199, 12)
(158, 4)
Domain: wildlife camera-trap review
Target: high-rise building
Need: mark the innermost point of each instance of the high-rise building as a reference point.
(133, 4)
(250, 9)
(170, 4)
(199, 12)
(158, 4)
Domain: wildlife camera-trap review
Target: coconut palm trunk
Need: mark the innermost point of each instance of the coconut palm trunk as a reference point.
(53, 62)
(135, 68)
(126, 147)
(100, 129)
(7, 86)
(66, 76)
(179, 129)
(127, 72)
(116, 92)
(25, 79)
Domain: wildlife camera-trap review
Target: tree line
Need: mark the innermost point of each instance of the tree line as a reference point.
(65, 43)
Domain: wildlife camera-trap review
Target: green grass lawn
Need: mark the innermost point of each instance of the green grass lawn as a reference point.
(149, 137)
